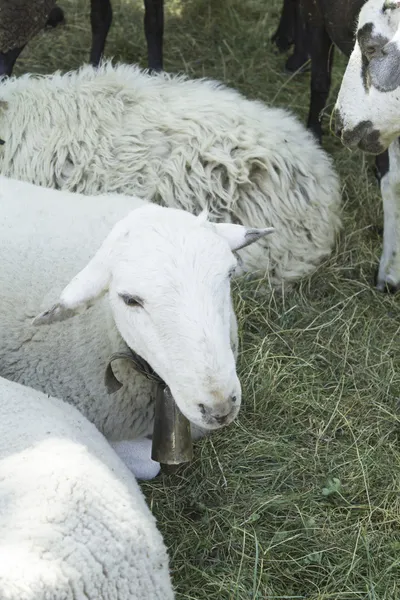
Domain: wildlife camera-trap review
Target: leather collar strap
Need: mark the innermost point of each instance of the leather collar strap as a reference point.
(111, 382)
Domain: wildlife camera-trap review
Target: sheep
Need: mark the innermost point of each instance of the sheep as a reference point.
(21, 20)
(333, 22)
(167, 274)
(316, 28)
(329, 24)
(319, 26)
(366, 116)
(190, 144)
(73, 520)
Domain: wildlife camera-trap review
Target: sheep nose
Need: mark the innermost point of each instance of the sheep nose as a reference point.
(221, 414)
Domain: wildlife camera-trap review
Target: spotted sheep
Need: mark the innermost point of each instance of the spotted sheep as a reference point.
(317, 29)
(367, 115)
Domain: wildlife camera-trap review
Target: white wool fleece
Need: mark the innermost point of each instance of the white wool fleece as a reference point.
(184, 143)
(74, 524)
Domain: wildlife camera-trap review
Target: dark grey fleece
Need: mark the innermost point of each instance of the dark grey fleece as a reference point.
(21, 20)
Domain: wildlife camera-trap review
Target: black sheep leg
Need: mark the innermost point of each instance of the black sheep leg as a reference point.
(100, 18)
(322, 51)
(300, 53)
(283, 37)
(154, 31)
(7, 61)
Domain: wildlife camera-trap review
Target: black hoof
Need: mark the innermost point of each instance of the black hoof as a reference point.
(282, 42)
(154, 71)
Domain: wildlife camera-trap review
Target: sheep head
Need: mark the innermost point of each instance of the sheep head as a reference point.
(167, 274)
(368, 106)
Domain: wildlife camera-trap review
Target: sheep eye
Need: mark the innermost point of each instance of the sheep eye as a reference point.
(131, 300)
(370, 51)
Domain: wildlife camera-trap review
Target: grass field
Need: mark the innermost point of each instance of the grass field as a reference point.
(300, 498)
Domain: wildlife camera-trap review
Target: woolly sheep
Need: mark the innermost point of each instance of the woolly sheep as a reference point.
(189, 144)
(167, 276)
(367, 115)
(73, 521)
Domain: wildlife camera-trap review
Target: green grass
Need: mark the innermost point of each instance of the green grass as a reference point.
(300, 498)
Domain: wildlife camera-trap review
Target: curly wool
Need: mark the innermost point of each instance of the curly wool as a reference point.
(190, 144)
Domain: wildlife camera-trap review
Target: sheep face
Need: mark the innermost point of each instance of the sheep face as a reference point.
(167, 274)
(368, 105)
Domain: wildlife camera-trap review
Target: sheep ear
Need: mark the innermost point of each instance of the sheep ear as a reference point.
(89, 284)
(238, 236)
(79, 294)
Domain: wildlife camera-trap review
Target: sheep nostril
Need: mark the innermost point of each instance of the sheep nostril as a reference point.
(221, 420)
(202, 409)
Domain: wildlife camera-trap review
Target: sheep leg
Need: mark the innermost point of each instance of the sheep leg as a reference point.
(322, 51)
(283, 37)
(300, 53)
(7, 61)
(154, 31)
(100, 19)
(389, 267)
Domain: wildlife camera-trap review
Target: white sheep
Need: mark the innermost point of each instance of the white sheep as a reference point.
(189, 144)
(167, 274)
(368, 115)
(73, 521)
